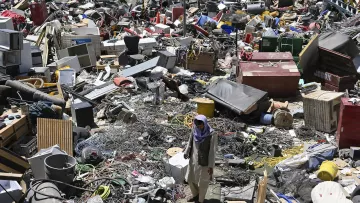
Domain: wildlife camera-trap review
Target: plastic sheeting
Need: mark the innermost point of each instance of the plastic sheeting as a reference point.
(237, 97)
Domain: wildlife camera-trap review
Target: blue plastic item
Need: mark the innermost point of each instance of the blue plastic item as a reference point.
(277, 21)
(228, 29)
(266, 118)
(286, 198)
(203, 19)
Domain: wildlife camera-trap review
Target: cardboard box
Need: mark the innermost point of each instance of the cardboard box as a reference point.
(204, 62)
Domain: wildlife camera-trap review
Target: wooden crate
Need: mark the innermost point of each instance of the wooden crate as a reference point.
(321, 110)
(204, 62)
(13, 131)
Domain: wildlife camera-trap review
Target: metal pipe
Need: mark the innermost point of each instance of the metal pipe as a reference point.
(184, 19)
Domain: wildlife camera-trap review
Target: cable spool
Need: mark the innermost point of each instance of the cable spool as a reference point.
(283, 118)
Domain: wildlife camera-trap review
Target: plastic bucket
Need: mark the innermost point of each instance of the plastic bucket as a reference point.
(206, 107)
(266, 118)
(328, 171)
(60, 167)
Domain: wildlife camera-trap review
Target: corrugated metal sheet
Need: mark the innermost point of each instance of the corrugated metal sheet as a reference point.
(54, 131)
(321, 110)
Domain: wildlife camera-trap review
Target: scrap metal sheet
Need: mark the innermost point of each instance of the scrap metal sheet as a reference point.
(237, 97)
(54, 131)
(140, 67)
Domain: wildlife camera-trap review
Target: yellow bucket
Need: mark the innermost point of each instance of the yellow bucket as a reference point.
(205, 107)
(328, 171)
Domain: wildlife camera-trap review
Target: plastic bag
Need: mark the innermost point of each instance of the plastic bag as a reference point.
(293, 162)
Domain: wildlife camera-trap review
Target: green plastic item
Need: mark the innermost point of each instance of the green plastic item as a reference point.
(293, 45)
(269, 44)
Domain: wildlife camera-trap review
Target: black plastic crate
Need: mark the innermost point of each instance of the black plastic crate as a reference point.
(26, 146)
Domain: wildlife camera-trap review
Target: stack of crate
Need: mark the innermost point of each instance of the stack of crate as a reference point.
(11, 44)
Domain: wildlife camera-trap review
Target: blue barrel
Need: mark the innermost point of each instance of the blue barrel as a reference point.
(266, 118)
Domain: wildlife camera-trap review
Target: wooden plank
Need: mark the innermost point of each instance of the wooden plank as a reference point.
(22, 5)
(54, 131)
(11, 176)
(261, 193)
(11, 162)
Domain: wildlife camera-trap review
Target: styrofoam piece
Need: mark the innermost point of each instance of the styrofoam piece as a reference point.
(162, 28)
(13, 188)
(26, 58)
(71, 61)
(67, 77)
(83, 35)
(176, 166)
(37, 161)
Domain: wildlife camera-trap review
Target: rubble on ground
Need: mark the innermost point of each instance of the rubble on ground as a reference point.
(98, 99)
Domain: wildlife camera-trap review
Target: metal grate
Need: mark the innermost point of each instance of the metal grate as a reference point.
(53, 131)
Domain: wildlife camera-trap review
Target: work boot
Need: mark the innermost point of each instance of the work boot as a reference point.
(193, 199)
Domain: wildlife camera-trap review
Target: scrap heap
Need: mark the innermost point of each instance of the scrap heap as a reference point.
(98, 99)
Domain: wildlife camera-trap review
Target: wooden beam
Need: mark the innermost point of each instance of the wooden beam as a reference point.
(11, 176)
(261, 193)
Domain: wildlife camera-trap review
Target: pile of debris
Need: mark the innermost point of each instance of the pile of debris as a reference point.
(98, 99)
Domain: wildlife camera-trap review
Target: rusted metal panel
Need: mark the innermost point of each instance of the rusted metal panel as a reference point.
(279, 79)
(54, 131)
(335, 62)
(334, 82)
(272, 56)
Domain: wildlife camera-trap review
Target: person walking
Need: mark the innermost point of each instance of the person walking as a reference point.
(201, 149)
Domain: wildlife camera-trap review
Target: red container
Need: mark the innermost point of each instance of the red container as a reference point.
(348, 131)
(272, 56)
(279, 79)
(39, 12)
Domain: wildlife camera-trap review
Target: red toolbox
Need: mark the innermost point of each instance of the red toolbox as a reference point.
(279, 79)
(348, 131)
(271, 56)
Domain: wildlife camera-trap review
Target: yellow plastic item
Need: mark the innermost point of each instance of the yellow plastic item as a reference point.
(205, 107)
(49, 84)
(103, 191)
(328, 171)
(220, 24)
(274, 14)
